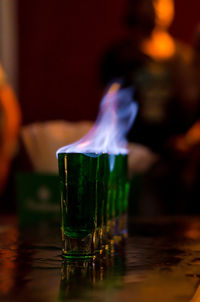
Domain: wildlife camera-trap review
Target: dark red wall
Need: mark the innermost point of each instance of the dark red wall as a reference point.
(61, 43)
(187, 16)
(60, 46)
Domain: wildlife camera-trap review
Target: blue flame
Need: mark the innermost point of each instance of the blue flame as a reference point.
(108, 135)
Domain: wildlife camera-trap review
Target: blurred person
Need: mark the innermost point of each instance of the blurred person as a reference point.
(10, 121)
(165, 77)
(160, 69)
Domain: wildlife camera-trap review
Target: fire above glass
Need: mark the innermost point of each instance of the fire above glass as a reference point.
(93, 178)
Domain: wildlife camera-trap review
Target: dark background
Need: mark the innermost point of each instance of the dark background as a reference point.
(60, 47)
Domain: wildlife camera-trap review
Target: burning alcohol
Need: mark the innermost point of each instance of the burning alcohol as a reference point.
(93, 178)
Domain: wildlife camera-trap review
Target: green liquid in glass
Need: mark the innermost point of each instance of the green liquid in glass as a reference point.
(78, 193)
(94, 195)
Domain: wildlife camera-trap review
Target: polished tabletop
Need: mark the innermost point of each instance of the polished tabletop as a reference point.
(160, 261)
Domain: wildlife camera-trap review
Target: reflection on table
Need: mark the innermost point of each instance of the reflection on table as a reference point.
(158, 262)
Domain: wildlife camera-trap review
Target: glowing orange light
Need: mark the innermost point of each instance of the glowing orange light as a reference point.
(10, 129)
(164, 10)
(161, 45)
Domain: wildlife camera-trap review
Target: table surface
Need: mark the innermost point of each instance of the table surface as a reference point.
(160, 261)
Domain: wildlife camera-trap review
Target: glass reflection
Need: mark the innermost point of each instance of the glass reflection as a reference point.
(85, 279)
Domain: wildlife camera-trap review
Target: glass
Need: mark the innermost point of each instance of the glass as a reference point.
(94, 192)
(78, 204)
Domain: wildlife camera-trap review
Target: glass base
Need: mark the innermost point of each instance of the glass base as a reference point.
(98, 241)
(79, 248)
